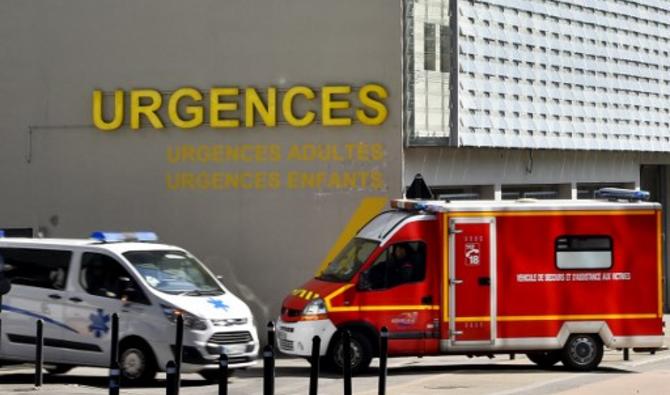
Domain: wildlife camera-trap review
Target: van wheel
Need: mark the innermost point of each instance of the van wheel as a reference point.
(361, 353)
(582, 352)
(137, 363)
(58, 369)
(545, 359)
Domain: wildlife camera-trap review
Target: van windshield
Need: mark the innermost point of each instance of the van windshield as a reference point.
(174, 272)
(348, 261)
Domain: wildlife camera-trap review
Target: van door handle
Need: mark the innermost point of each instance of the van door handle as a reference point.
(55, 296)
(76, 299)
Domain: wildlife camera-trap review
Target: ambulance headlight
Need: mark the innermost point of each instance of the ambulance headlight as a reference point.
(315, 310)
(190, 320)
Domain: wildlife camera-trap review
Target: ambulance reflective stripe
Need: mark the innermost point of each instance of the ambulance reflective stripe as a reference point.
(341, 309)
(567, 317)
(44, 318)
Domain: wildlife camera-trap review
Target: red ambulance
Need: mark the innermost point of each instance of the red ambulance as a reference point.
(557, 280)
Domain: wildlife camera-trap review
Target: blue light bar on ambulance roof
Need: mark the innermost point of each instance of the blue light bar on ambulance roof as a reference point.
(415, 205)
(623, 194)
(115, 237)
(2, 233)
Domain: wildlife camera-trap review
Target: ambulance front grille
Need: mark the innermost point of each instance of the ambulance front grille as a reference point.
(286, 345)
(231, 337)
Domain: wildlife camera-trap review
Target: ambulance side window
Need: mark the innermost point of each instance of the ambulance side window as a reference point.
(400, 263)
(583, 252)
(102, 275)
(36, 267)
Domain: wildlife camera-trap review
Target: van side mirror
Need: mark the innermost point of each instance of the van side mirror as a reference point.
(364, 281)
(127, 288)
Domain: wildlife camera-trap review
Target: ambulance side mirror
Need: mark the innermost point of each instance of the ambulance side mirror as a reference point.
(5, 285)
(364, 281)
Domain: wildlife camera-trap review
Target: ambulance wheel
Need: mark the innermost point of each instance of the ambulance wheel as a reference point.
(361, 353)
(58, 369)
(137, 362)
(545, 359)
(582, 352)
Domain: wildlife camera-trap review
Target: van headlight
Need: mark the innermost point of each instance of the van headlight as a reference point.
(315, 310)
(190, 321)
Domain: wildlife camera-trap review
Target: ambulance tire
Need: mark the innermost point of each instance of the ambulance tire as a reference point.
(545, 359)
(361, 353)
(582, 352)
(58, 369)
(137, 362)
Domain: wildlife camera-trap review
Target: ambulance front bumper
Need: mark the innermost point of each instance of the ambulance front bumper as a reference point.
(202, 349)
(295, 338)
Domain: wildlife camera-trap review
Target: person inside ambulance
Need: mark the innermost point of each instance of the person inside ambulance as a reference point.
(404, 266)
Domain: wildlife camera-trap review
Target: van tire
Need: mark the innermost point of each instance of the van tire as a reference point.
(545, 359)
(58, 369)
(137, 362)
(582, 352)
(361, 353)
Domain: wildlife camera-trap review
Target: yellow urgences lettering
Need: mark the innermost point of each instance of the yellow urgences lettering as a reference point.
(196, 111)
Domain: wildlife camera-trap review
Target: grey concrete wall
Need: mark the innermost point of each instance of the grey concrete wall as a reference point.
(58, 173)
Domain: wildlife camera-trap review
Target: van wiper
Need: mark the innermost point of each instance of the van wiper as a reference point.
(197, 292)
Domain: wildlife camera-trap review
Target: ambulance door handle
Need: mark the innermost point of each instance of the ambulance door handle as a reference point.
(55, 296)
(76, 299)
(427, 300)
(485, 281)
(454, 281)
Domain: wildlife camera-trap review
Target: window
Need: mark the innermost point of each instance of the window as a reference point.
(429, 46)
(401, 263)
(583, 252)
(36, 268)
(445, 49)
(102, 275)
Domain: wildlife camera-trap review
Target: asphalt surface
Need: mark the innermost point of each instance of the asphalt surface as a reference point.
(643, 374)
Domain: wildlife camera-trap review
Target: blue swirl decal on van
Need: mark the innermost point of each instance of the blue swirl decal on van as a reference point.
(44, 318)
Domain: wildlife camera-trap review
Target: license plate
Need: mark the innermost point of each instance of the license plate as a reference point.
(235, 349)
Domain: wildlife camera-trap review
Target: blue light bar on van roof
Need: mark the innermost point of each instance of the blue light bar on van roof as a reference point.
(115, 237)
(2, 233)
(623, 194)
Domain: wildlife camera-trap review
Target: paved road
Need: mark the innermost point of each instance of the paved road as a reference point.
(644, 374)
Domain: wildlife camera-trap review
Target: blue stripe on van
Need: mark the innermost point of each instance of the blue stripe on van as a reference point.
(38, 316)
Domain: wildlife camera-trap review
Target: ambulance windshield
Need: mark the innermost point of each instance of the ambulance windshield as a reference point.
(174, 272)
(349, 260)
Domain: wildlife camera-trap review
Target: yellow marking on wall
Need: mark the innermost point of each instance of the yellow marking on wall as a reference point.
(369, 207)
(659, 253)
(548, 213)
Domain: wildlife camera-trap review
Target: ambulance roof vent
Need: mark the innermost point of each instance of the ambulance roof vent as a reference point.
(118, 237)
(622, 194)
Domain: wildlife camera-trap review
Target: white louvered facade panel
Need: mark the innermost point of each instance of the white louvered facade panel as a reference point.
(568, 74)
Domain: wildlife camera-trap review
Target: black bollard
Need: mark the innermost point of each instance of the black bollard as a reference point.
(314, 371)
(271, 333)
(626, 354)
(512, 356)
(114, 351)
(346, 361)
(268, 370)
(223, 374)
(179, 349)
(39, 353)
(171, 378)
(383, 358)
(114, 378)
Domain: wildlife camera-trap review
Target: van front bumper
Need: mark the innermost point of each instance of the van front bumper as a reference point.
(295, 338)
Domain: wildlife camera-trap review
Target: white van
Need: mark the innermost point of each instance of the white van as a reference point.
(75, 286)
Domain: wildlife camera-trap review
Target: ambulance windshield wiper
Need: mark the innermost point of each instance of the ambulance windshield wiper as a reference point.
(198, 292)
